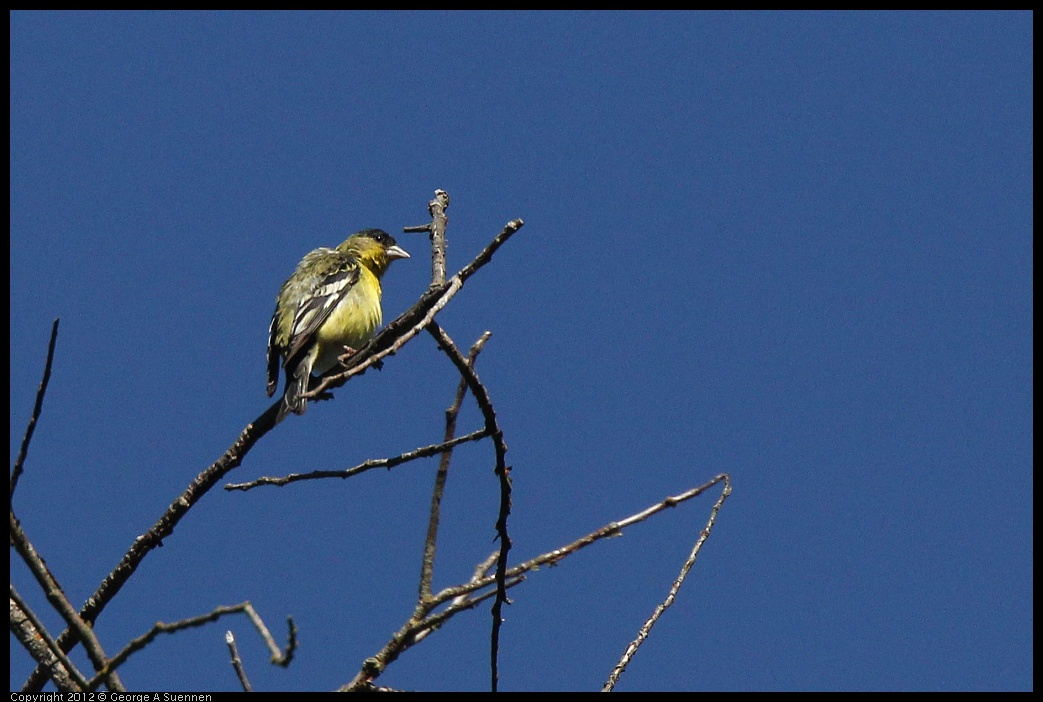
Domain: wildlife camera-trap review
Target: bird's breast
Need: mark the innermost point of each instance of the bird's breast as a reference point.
(352, 323)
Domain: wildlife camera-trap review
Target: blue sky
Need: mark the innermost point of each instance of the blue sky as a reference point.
(793, 247)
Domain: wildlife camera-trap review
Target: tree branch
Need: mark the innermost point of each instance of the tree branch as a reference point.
(436, 229)
(32, 634)
(389, 463)
(237, 662)
(502, 471)
(140, 642)
(428, 564)
(646, 628)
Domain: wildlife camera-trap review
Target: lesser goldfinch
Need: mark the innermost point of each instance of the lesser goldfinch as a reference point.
(330, 306)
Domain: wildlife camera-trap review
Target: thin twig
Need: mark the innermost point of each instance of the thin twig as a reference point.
(428, 564)
(237, 662)
(158, 628)
(389, 463)
(461, 604)
(278, 658)
(412, 632)
(631, 649)
(479, 572)
(503, 472)
(37, 408)
(436, 229)
(558, 554)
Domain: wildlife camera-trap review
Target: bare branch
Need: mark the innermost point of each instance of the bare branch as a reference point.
(32, 634)
(411, 633)
(502, 470)
(558, 554)
(237, 662)
(389, 463)
(278, 657)
(631, 650)
(158, 628)
(458, 605)
(428, 565)
(486, 254)
(479, 572)
(436, 229)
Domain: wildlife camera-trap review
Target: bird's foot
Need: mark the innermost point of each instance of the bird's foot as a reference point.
(346, 356)
(350, 352)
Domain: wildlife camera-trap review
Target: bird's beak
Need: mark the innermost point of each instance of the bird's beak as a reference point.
(396, 251)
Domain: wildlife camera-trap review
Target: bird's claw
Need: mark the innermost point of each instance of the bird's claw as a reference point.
(350, 352)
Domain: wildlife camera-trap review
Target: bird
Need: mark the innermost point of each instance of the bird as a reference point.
(328, 308)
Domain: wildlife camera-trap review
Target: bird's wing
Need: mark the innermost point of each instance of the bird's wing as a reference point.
(273, 354)
(315, 308)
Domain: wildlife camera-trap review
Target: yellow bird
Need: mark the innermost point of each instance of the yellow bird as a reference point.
(330, 306)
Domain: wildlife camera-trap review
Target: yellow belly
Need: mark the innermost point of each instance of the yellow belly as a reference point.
(352, 323)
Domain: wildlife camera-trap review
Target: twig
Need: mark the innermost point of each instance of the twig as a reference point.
(37, 408)
(158, 628)
(436, 229)
(503, 471)
(558, 554)
(479, 572)
(631, 650)
(237, 662)
(278, 658)
(486, 254)
(389, 463)
(413, 631)
(428, 564)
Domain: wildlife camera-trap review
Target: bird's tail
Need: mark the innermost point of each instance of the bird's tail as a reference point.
(293, 399)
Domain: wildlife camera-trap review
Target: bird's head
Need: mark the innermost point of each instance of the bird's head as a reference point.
(374, 248)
